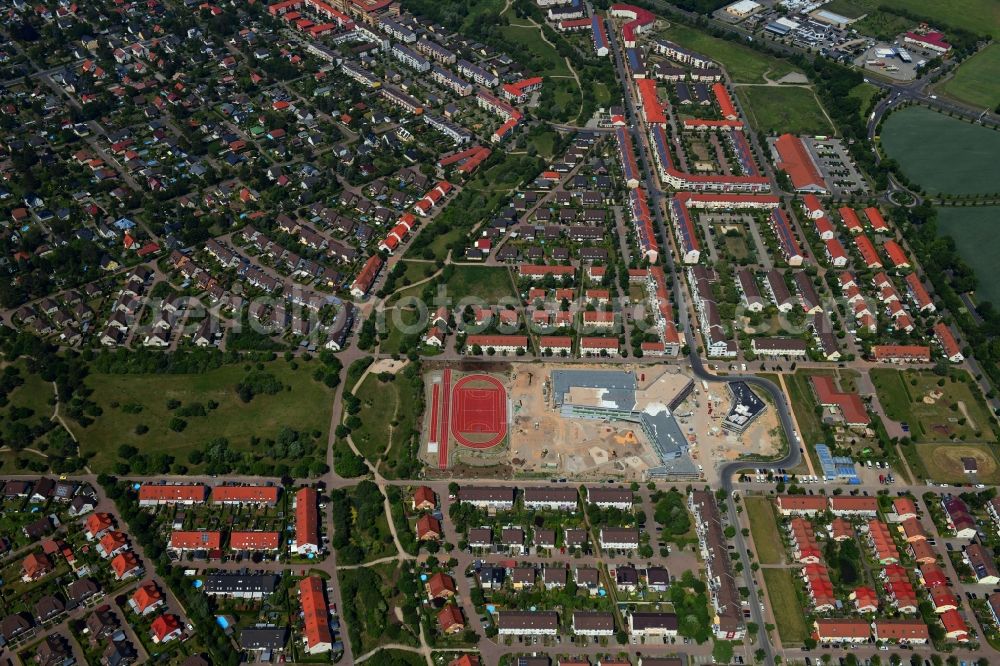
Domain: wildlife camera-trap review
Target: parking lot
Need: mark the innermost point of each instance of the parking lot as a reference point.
(839, 171)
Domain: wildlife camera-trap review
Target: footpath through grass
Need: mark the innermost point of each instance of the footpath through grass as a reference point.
(766, 539)
(934, 412)
(784, 602)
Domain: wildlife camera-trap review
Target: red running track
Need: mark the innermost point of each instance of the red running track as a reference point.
(479, 411)
(435, 398)
(445, 406)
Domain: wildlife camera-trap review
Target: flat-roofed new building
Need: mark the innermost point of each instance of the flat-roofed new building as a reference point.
(240, 586)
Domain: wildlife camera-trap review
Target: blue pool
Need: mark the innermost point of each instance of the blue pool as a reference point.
(222, 621)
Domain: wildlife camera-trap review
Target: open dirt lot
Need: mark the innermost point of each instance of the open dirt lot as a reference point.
(701, 417)
(543, 441)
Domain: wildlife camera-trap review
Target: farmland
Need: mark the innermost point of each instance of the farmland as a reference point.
(975, 81)
(941, 154)
(974, 232)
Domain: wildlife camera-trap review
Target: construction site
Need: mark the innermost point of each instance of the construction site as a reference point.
(593, 422)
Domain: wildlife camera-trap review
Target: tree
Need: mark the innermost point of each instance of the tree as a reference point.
(722, 652)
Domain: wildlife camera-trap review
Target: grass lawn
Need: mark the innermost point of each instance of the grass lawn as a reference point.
(804, 405)
(937, 420)
(784, 109)
(943, 462)
(601, 93)
(372, 438)
(567, 98)
(33, 394)
(976, 80)
(397, 658)
(974, 232)
(766, 540)
(415, 271)
(978, 16)
(388, 415)
(544, 143)
(489, 283)
(784, 602)
(304, 406)
(396, 319)
(543, 59)
(942, 154)
(736, 247)
(864, 92)
(744, 64)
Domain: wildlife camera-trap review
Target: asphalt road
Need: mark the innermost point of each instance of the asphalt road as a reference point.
(726, 472)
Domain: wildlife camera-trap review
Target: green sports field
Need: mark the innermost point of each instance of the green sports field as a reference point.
(977, 80)
(974, 230)
(784, 109)
(943, 155)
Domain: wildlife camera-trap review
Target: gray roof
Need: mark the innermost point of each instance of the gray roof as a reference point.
(619, 386)
(263, 638)
(237, 583)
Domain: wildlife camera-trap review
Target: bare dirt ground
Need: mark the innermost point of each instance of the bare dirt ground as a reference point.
(543, 442)
(700, 417)
(387, 365)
